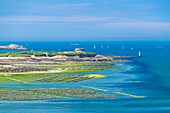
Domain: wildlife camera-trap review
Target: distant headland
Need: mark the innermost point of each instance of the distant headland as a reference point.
(13, 47)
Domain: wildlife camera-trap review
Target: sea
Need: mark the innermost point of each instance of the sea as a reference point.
(147, 75)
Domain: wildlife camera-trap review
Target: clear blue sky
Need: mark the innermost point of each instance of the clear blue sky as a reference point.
(22, 20)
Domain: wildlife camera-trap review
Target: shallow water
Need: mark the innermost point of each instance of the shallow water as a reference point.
(148, 76)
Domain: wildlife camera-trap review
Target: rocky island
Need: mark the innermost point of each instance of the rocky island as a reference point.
(13, 47)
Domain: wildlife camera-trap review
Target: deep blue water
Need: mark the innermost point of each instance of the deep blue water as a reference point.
(148, 75)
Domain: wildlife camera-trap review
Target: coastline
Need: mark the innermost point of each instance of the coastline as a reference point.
(116, 80)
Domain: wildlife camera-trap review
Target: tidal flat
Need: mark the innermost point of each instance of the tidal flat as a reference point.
(49, 93)
(64, 67)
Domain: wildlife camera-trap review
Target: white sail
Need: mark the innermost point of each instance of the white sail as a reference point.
(139, 54)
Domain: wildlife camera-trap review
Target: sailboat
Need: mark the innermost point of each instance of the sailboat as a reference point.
(94, 47)
(139, 54)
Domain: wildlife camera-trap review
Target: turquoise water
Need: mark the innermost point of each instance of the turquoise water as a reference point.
(148, 76)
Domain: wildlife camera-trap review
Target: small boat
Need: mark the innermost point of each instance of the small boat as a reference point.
(101, 46)
(132, 48)
(74, 44)
(108, 46)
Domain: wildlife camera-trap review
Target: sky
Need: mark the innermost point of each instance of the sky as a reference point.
(67, 20)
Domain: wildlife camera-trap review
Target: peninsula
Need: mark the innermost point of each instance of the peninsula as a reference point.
(55, 67)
